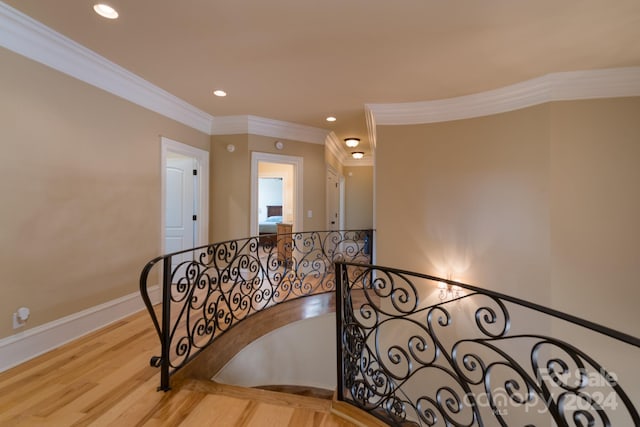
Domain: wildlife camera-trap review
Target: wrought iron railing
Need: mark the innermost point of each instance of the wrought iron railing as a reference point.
(417, 350)
(209, 289)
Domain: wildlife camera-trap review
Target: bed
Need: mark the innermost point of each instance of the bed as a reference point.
(269, 227)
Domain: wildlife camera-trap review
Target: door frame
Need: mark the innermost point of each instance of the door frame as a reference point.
(342, 203)
(298, 175)
(201, 194)
(341, 190)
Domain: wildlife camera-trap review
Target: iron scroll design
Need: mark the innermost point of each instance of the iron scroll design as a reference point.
(412, 358)
(209, 289)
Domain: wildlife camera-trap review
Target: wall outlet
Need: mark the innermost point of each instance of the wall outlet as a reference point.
(309, 213)
(20, 317)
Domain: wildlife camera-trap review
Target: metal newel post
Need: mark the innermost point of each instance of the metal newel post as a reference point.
(340, 268)
(166, 324)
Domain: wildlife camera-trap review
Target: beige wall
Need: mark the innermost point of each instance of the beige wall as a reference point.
(468, 198)
(358, 197)
(541, 203)
(231, 184)
(595, 210)
(230, 188)
(80, 191)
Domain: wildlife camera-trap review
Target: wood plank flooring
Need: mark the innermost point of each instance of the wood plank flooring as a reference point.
(104, 379)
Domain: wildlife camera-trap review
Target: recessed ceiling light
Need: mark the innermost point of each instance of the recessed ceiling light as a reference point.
(105, 11)
(331, 119)
(219, 92)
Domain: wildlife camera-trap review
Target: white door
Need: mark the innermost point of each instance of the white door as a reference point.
(333, 200)
(180, 206)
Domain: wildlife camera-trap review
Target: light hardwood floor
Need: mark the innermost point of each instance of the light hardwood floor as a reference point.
(105, 379)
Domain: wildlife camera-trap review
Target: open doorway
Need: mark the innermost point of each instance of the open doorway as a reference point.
(185, 202)
(276, 192)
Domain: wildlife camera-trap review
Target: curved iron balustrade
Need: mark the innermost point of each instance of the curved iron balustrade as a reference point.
(410, 357)
(209, 289)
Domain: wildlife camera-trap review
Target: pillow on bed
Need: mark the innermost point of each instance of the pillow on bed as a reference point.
(276, 219)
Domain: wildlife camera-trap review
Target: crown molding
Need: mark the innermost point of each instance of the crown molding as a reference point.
(30, 38)
(371, 129)
(562, 86)
(255, 125)
(286, 130)
(229, 125)
(333, 145)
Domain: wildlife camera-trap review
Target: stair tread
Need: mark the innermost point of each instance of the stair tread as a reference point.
(267, 396)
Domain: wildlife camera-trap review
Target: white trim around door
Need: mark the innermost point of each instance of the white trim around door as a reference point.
(297, 163)
(202, 191)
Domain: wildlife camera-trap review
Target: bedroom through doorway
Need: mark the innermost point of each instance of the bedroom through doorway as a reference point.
(276, 193)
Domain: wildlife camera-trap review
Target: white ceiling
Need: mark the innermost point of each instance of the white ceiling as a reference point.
(301, 60)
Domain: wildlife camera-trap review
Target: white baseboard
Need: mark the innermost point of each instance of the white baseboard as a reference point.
(19, 348)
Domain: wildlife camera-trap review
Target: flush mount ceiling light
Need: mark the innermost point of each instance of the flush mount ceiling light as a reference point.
(105, 11)
(357, 155)
(352, 142)
(331, 119)
(219, 92)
